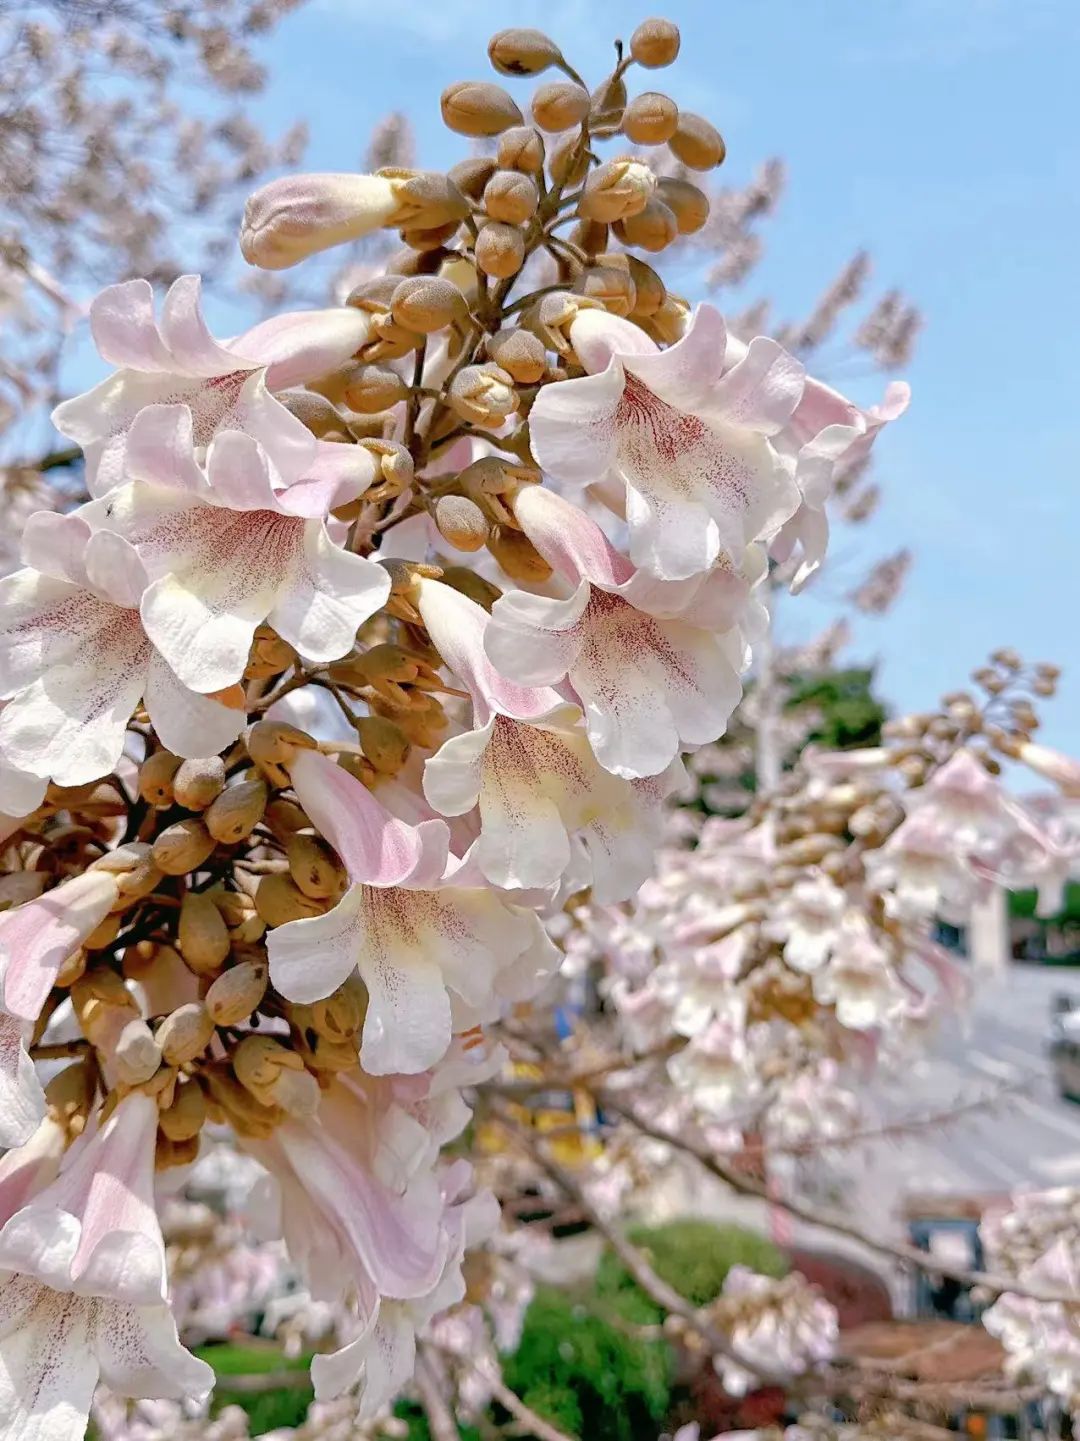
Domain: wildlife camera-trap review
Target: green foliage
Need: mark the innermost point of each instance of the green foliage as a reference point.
(580, 1371)
(691, 1255)
(851, 715)
(1022, 906)
(267, 1410)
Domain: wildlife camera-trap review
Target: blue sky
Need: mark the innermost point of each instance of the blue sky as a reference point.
(941, 135)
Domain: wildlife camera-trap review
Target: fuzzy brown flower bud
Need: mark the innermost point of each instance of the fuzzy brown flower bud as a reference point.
(198, 782)
(520, 353)
(569, 162)
(477, 107)
(236, 993)
(202, 935)
(470, 176)
(697, 143)
(314, 867)
(136, 1053)
(182, 847)
(237, 811)
(653, 228)
(614, 191)
(521, 51)
(483, 394)
(482, 591)
(650, 118)
(185, 1033)
(461, 522)
(560, 104)
(186, 1116)
(425, 304)
(313, 410)
(275, 1076)
(521, 148)
(500, 249)
(611, 285)
(385, 744)
(688, 203)
(649, 290)
(156, 777)
(371, 388)
(279, 900)
(655, 43)
(269, 653)
(511, 196)
(517, 555)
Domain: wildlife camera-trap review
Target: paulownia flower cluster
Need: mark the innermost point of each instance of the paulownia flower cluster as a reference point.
(379, 640)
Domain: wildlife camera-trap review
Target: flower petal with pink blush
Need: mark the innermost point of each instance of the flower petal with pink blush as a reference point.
(55, 545)
(37, 937)
(219, 571)
(221, 385)
(70, 724)
(185, 721)
(20, 792)
(22, 1099)
(140, 1355)
(647, 686)
(690, 442)
(94, 1231)
(48, 1369)
(375, 847)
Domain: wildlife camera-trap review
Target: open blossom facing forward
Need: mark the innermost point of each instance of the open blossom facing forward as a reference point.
(434, 948)
(176, 362)
(76, 659)
(691, 443)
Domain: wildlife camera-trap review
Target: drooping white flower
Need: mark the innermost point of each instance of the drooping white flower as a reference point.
(177, 363)
(528, 765)
(650, 678)
(76, 659)
(691, 442)
(418, 933)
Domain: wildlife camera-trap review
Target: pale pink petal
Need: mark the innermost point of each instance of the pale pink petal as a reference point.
(286, 440)
(114, 570)
(160, 449)
(687, 373)
(328, 596)
(140, 1355)
(407, 1026)
(374, 846)
(673, 540)
(568, 539)
(37, 937)
(572, 426)
(193, 349)
(124, 329)
(20, 792)
(71, 723)
(22, 1100)
(762, 390)
(453, 775)
(533, 639)
(224, 571)
(54, 544)
(457, 626)
(187, 723)
(42, 622)
(334, 1372)
(48, 1370)
(338, 474)
(599, 337)
(310, 958)
(239, 473)
(396, 1236)
(304, 345)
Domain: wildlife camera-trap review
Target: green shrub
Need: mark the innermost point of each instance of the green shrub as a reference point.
(691, 1255)
(582, 1373)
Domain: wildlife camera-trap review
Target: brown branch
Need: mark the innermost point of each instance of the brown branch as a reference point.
(440, 1417)
(895, 1250)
